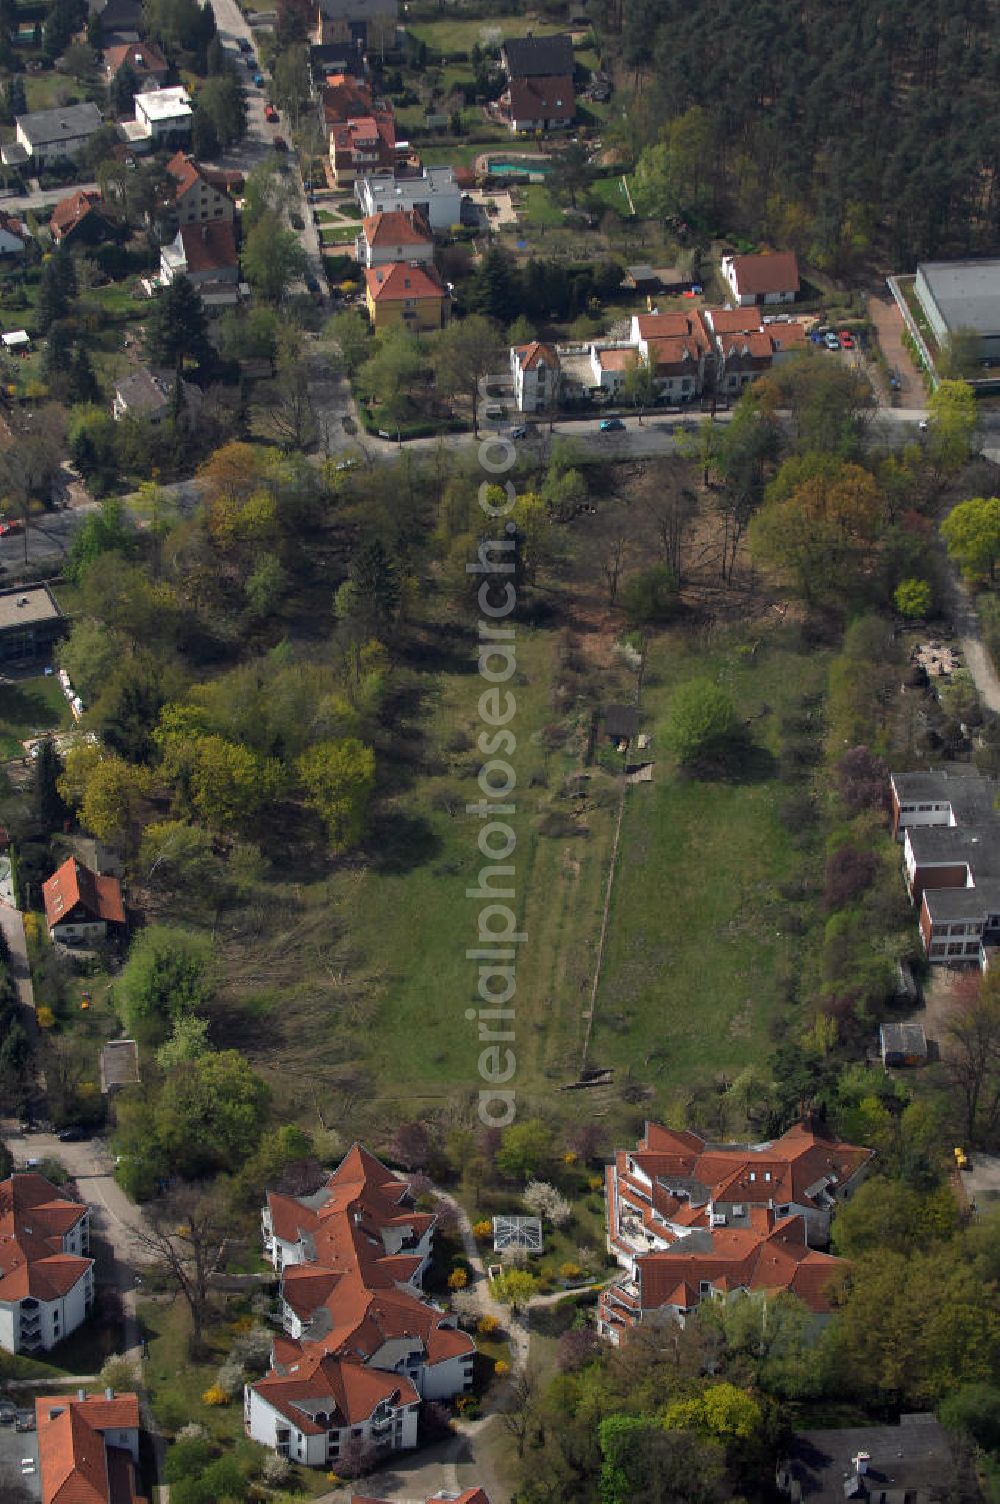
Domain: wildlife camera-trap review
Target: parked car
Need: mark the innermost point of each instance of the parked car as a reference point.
(520, 432)
(846, 339)
(298, 223)
(817, 339)
(270, 114)
(76, 1133)
(243, 44)
(832, 342)
(280, 144)
(611, 425)
(258, 80)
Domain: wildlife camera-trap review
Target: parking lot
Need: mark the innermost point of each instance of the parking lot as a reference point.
(15, 1447)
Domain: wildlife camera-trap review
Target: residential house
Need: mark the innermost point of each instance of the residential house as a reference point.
(434, 193)
(948, 826)
(538, 104)
(344, 31)
(88, 1448)
(772, 278)
(395, 236)
(200, 194)
(119, 1065)
(690, 1219)
(79, 219)
(206, 255)
(406, 292)
(314, 1411)
(141, 394)
(911, 1463)
(535, 373)
(652, 280)
(146, 62)
(746, 346)
(47, 136)
(30, 625)
(121, 20)
(81, 907)
(362, 145)
(46, 1274)
(539, 94)
(14, 235)
(162, 117)
(346, 98)
(610, 365)
(362, 1347)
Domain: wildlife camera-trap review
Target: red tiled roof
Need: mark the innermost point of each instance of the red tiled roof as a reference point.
(674, 353)
(209, 247)
(397, 227)
(344, 97)
(357, 134)
(402, 280)
(529, 356)
(616, 360)
(69, 211)
(72, 884)
(540, 98)
(735, 320)
(354, 1390)
(142, 58)
(76, 1464)
(33, 1221)
(756, 276)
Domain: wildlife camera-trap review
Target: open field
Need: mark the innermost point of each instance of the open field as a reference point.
(689, 981)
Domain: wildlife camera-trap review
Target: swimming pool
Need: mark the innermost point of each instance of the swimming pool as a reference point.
(519, 169)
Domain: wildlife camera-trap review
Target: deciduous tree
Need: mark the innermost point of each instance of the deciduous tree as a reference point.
(338, 778)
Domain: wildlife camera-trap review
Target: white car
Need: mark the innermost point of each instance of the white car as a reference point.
(832, 342)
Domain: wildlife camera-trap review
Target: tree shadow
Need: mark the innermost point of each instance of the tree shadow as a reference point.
(399, 843)
(739, 760)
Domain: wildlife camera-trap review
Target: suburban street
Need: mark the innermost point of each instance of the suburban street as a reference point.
(257, 143)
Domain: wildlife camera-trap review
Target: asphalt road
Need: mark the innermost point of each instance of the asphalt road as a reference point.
(258, 142)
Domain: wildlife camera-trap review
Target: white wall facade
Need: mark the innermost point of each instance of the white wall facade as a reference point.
(80, 934)
(391, 1428)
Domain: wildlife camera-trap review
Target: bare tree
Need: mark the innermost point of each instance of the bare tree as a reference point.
(672, 509)
(611, 565)
(972, 1055)
(184, 1236)
(517, 1415)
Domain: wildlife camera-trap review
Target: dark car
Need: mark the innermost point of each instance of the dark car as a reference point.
(280, 144)
(611, 425)
(298, 223)
(74, 1134)
(311, 284)
(243, 44)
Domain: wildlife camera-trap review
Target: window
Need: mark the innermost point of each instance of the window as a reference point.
(937, 949)
(704, 1286)
(972, 947)
(954, 950)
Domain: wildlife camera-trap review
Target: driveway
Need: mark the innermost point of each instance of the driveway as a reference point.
(888, 323)
(12, 925)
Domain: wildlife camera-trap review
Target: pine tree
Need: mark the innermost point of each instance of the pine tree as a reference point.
(177, 328)
(53, 304)
(83, 382)
(49, 807)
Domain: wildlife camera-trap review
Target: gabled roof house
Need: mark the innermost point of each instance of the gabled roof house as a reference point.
(399, 235)
(688, 1218)
(80, 906)
(772, 278)
(361, 1346)
(46, 1276)
(88, 1448)
(539, 94)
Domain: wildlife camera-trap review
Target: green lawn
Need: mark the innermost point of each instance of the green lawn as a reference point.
(609, 194)
(338, 234)
(29, 707)
(461, 36)
(539, 208)
(695, 938)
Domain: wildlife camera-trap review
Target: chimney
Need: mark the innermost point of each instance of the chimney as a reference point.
(861, 1462)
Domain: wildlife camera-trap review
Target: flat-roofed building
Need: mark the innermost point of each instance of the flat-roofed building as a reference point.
(30, 623)
(962, 295)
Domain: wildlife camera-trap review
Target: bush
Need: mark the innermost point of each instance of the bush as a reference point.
(215, 1395)
(913, 598)
(275, 1470)
(457, 1279)
(487, 1325)
(187, 1458)
(862, 780)
(231, 1377)
(649, 597)
(701, 726)
(483, 1228)
(849, 872)
(570, 1271)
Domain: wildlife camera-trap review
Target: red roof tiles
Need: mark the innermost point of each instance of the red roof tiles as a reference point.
(76, 1463)
(756, 276)
(33, 1222)
(74, 887)
(209, 247)
(402, 281)
(397, 227)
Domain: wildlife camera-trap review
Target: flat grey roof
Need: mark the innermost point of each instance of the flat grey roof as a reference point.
(46, 127)
(967, 293)
(20, 608)
(970, 794)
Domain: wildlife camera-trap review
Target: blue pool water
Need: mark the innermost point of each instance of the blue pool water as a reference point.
(515, 169)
